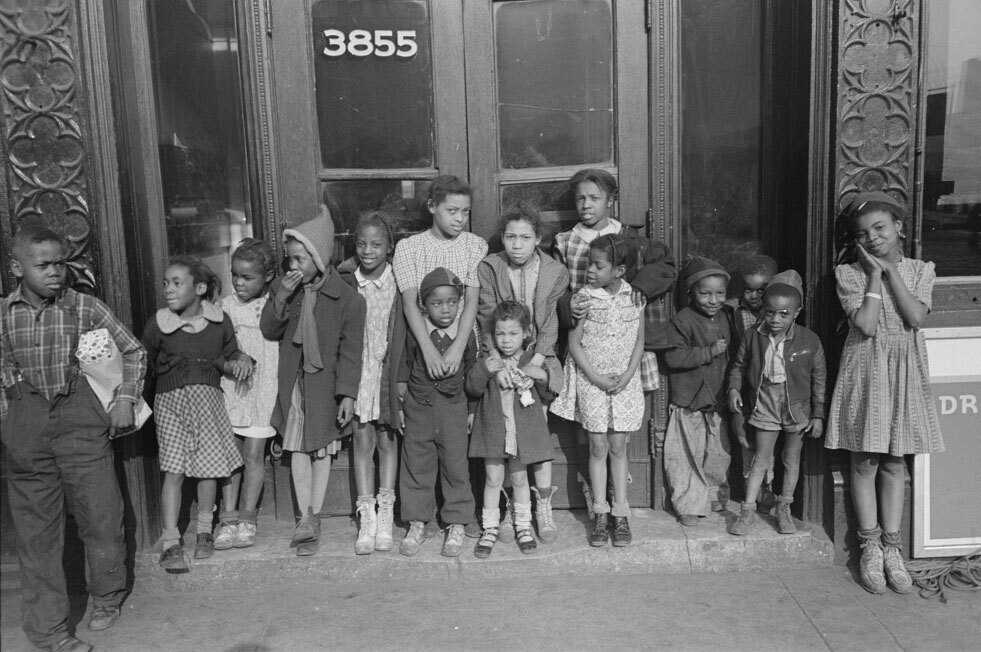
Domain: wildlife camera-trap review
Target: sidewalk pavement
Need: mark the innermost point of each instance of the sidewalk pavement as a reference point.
(660, 545)
(674, 588)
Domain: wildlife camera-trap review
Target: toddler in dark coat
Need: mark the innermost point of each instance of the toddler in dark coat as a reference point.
(510, 425)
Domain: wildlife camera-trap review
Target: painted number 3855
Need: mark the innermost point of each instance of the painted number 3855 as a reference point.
(364, 43)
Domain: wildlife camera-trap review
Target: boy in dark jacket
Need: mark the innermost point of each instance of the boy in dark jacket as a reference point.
(436, 421)
(701, 341)
(777, 382)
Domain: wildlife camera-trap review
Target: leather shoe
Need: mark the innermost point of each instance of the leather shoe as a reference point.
(103, 618)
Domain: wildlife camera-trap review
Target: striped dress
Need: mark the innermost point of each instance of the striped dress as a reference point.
(882, 401)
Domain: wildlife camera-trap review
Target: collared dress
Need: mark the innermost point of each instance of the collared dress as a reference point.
(379, 296)
(194, 434)
(609, 332)
(250, 404)
(882, 401)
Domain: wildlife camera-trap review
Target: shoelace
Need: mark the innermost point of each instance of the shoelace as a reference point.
(386, 517)
(934, 577)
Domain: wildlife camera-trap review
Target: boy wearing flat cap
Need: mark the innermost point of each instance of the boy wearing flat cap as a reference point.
(435, 410)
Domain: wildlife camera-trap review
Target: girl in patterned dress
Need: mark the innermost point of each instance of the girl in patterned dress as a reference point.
(249, 404)
(602, 389)
(190, 344)
(377, 407)
(882, 408)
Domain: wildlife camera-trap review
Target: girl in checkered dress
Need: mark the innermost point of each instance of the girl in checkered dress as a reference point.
(190, 344)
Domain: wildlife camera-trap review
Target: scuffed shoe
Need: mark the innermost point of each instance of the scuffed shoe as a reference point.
(485, 545)
(103, 618)
(744, 522)
(547, 531)
(621, 532)
(785, 521)
(871, 567)
(897, 577)
(70, 644)
(453, 543)
(172, 560)
(688, 520)
(526, 541)
(245, 534)
(600, 532)
(225, 535)
(413, 539)
(307, 529)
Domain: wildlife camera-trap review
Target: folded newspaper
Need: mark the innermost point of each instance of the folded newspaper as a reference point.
(101, 363)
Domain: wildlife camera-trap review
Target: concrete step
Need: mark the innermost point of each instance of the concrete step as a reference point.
(660, 545)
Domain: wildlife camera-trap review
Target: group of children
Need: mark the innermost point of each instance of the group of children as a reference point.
(404, 344)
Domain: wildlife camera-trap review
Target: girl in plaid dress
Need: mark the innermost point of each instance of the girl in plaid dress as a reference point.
(190, 344)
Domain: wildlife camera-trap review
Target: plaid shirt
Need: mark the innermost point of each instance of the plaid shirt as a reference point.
(40, 342)
(572, 250)
(420, 254)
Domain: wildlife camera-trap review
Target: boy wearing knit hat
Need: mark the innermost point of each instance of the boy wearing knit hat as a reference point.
(777, 382)
(700, 336)
(318, 320)
(435, 415)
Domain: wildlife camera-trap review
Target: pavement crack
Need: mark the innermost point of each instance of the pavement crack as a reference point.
(793, 597)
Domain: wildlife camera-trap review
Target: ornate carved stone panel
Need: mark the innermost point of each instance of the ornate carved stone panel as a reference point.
(876, 108)
(41, 138)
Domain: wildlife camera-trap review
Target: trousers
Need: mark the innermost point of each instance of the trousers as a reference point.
(60, 456)
(435, 440)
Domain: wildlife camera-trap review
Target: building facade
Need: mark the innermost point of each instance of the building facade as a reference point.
(149, 128)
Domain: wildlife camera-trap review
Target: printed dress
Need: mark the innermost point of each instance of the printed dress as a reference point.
(882, 401)
(379, 295)
(609, 332)
(250, 404)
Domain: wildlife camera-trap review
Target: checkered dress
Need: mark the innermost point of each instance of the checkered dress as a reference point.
(572, 249)
(194, 434)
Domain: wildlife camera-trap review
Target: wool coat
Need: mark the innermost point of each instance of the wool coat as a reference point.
(495, 287)
(488, 434)
(339, 314)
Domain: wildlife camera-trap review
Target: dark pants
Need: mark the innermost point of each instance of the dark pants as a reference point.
(435, 438)
(60, 455)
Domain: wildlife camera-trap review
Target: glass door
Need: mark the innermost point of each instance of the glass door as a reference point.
(370, 107)
(554, 86)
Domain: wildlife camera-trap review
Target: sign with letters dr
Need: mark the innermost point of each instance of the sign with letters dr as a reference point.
(946, 486)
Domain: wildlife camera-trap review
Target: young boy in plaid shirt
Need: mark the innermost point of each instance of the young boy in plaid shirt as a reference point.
(66, 458)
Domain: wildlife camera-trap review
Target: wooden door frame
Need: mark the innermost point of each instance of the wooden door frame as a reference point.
(631, 123)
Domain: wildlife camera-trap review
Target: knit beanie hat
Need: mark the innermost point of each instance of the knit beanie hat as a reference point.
(789, 278)
(436, 278)
(317, 236)
(698, 267)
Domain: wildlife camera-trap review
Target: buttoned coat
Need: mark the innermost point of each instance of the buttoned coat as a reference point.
(339, 314)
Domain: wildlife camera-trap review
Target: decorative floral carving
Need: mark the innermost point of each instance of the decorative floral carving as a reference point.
(876, 98)
(45, 166)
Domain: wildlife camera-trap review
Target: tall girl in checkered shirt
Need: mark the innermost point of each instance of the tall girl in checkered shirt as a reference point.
(595, 193)
(190, 344)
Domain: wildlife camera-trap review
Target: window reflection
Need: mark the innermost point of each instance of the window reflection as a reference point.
(555, 82)
(721, 128)
(403, 202)
(200, 120)
(952, 152)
